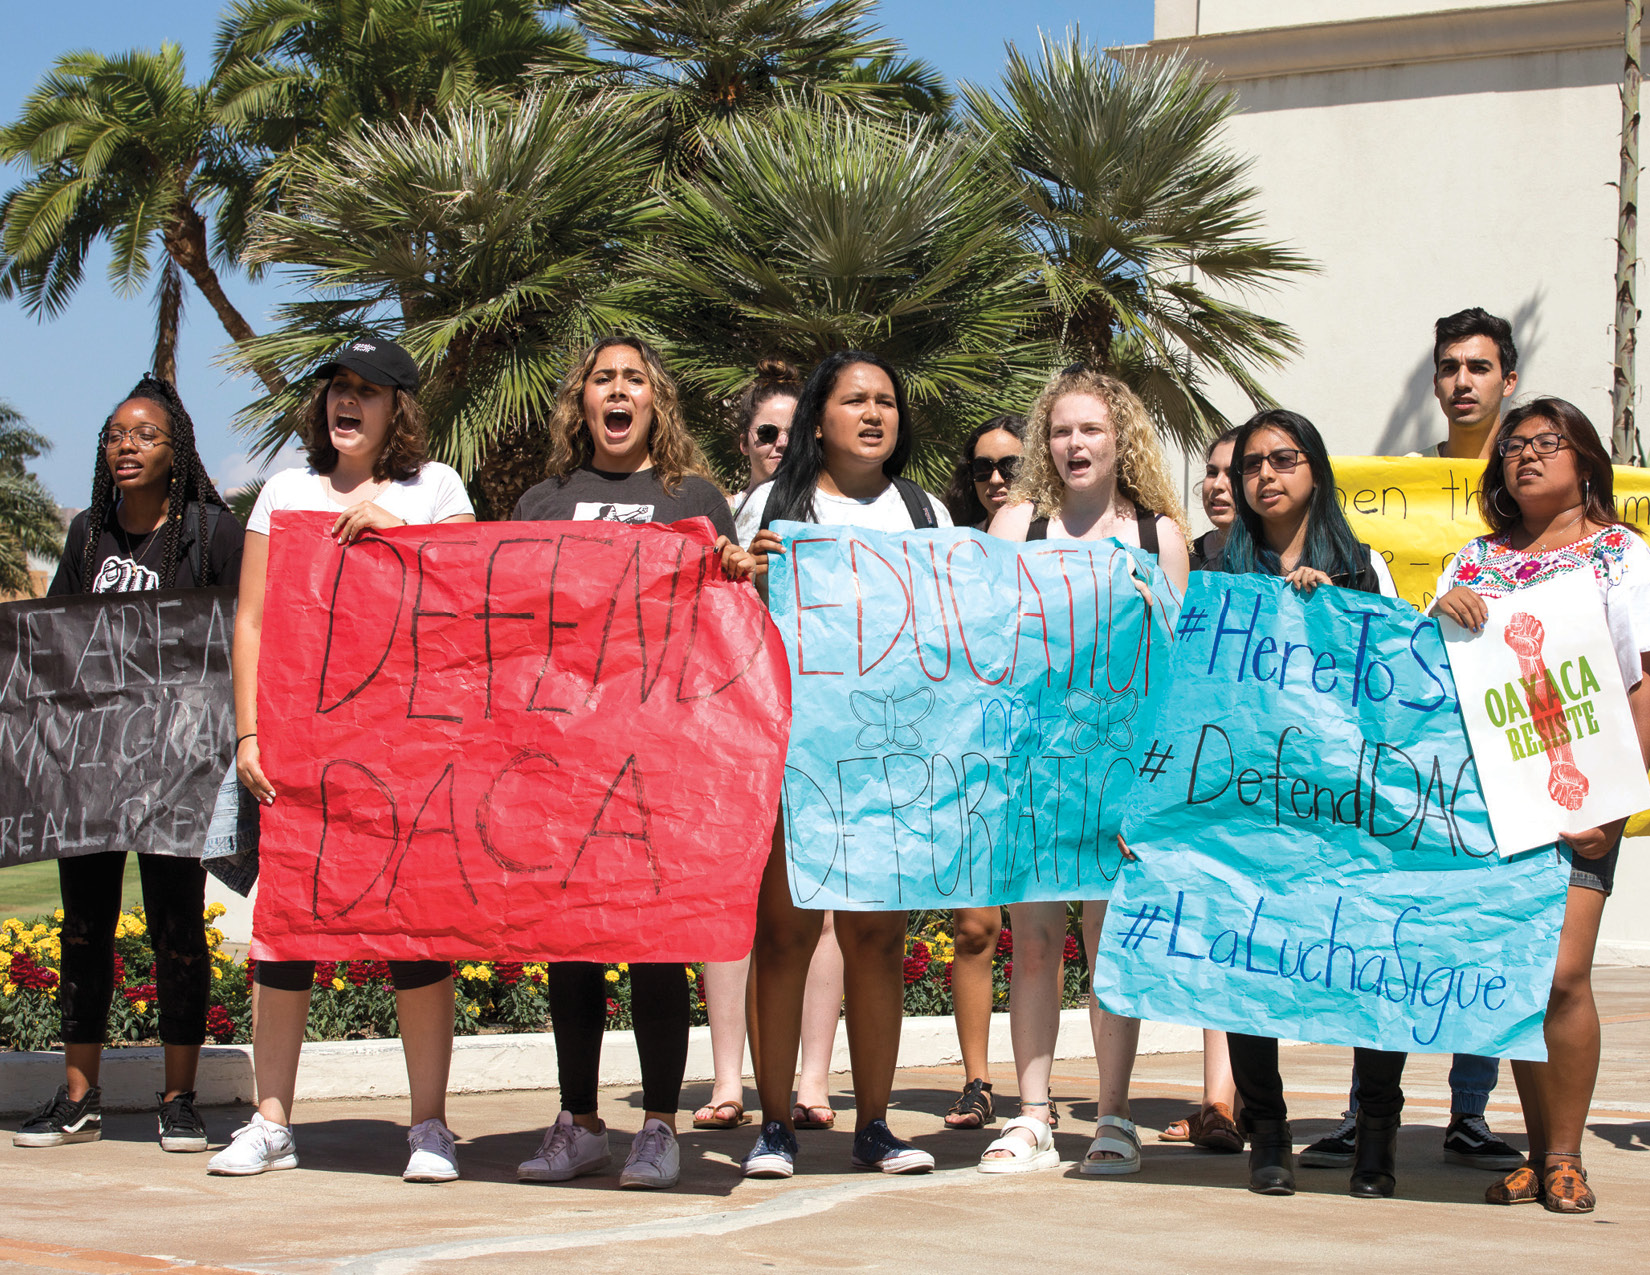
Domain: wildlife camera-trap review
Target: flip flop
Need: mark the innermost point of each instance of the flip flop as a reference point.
(803, 1117)
(716, 1120)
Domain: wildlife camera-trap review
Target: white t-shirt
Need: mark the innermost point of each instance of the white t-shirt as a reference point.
(434, 494)
(886, 512)
(1383, 576)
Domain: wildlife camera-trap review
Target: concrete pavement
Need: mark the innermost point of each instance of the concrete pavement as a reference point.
(124, 1206)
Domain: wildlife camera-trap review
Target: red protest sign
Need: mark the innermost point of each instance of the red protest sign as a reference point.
(523, 740)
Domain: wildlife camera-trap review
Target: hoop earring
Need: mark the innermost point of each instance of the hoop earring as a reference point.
(1495, 501)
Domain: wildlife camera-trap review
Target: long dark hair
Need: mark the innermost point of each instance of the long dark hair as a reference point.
(962, 501)
(188, 482)
(1592, 465)
(792, 497)
(1330, 546)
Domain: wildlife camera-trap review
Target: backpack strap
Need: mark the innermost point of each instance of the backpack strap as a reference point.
(1038, 530)
(1145, 526)
(917, 504)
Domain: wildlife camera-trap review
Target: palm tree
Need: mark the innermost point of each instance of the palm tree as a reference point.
(810, 231)
(298, 74)
(1144, 223)
(489, 240)
(696, 64)
(125, 149)
(28, 514)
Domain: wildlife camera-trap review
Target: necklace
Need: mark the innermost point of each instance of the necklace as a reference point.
(124, 541)
(1541, 544)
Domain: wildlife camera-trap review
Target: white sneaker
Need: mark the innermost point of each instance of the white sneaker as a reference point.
(433, 1158)
(655, 1159)
(257, 1147)
(568, 1151)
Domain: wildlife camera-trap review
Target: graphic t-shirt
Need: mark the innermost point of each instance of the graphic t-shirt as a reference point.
(434, 494)
(131, 564)
(1618, 560)
(885, 512)
(589, 494)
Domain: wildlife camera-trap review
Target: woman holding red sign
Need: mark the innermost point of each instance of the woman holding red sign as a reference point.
(1547, 495)
(365, 438)
(1094, 470)
(620, 452)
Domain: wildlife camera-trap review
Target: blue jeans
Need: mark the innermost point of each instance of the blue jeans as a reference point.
(1471, 1079)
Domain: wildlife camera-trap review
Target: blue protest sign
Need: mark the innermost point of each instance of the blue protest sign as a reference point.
(963, 711)
(1315, 859)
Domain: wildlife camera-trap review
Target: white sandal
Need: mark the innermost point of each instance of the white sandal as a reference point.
(1022, 1157)
(1124, 1143)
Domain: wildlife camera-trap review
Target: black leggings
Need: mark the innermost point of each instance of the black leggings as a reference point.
(174, 899)
(297, 976)
(1255, 1069)
(578, 1016)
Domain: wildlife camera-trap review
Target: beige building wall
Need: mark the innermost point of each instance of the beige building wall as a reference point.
(1431, 156)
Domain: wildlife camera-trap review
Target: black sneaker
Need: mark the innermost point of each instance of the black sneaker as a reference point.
(1468, 1141)
(61, 1121)
(876, 1147)
(1334, 1151)
(181, 1126)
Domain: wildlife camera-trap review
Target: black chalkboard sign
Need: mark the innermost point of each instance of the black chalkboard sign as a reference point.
(117, 721)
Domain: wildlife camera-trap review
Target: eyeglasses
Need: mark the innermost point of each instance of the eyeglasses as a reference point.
(1007, 466)
(144, 436)
(768, 435)
(1282, 461)
(1540, 444)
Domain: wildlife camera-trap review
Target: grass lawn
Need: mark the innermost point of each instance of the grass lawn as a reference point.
(30, 889)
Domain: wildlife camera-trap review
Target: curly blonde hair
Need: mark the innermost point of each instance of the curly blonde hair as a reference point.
(1142, 468)
(672, 449)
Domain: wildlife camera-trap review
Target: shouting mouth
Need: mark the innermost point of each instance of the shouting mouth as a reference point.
(616, 422)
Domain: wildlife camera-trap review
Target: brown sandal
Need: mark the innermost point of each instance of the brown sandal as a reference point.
(724, 1115)
(1521, 1186)
(1213, 1129)
(1179, 1131)
(973, 1108)
(1564, 1186)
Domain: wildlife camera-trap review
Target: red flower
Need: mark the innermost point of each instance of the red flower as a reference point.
(120, 969)
(31, 976)
(1005, 942)
(948, 977)
(914, 969)
(919, 950)
(142, 992)
(507, 972)
(1008, 970)
(1072, 952)
(1467, 574)
(612, 1007)
(325, 972)
(220, 1025)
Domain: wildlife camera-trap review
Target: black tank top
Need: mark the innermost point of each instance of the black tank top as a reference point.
(1145, 525)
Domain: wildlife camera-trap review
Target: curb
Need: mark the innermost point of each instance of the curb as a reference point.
(490, 1064)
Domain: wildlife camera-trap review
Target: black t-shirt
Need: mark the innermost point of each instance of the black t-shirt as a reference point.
(589, 494)
(130, 564)
(1203, 553)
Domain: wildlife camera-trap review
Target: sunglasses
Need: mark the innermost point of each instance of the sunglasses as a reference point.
(1540, 444)
(982, 467)
(1282, 461)
(767, 435)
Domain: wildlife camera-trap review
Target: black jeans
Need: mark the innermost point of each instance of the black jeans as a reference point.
(659, 1013)
(1255, 1069)
(174, 900)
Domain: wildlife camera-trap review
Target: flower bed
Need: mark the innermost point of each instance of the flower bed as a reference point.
(353, 1000)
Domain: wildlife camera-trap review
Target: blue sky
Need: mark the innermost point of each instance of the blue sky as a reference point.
(65, 374)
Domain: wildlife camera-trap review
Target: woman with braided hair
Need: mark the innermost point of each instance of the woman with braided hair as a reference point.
(155, 522)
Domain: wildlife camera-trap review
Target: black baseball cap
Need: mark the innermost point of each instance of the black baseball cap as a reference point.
(377, 358)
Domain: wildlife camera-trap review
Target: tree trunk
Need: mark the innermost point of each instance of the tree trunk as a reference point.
(168, 315)
(1624, 442)
(186, 243)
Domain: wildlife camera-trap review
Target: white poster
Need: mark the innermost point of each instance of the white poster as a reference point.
(1547, 714)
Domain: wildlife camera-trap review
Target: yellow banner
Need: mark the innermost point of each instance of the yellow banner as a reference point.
(1417, 513)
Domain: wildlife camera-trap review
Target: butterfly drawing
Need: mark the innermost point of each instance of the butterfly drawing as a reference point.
(1097, 717)
(890, 720)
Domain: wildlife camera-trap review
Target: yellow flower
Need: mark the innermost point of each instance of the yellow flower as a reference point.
(690, 972)
(57, 915)
(218, 973)
(612, 976)
(338, 984)
(39, 931)
(624, 967)
(10, 989)
(142, 1007)
(474, 1011)
(214, 911)
(214, 936)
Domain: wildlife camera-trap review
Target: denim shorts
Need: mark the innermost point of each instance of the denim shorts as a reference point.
(1596, 874)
